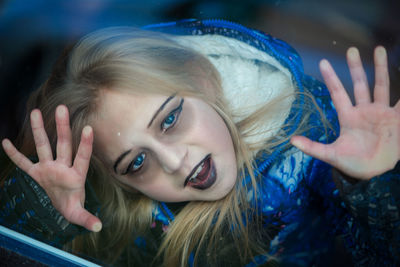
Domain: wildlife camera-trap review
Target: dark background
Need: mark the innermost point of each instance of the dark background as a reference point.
(33, 32)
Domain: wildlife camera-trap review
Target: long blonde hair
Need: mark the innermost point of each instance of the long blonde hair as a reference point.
(133, 60)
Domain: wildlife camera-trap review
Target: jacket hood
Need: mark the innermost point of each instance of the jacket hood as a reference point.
(250, 79)
(255, 68)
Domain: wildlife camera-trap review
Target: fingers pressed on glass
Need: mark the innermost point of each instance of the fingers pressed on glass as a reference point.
(82, 159)
(338, 94)
(382, 83)
(358, 76)
(315, 149)
(91, 223)
(64, 139)
(43, 148)
(84, 218)
(17, 157)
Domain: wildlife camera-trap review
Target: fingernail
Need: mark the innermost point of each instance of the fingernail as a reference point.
(324, 64)
(86, 131)
(381, 51)
(35, 115)
(61, 111)
(352, 53)
(97, 227)
(6, 143)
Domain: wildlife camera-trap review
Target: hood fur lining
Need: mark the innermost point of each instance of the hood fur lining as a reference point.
(250, 78)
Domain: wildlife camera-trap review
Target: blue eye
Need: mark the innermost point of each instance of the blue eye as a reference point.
(172, 118)
(137, 163)
(169, 121)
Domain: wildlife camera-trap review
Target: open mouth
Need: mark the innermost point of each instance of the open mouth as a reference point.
(203, 175)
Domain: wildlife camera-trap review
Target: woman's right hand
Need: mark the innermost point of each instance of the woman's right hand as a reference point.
(62, 178)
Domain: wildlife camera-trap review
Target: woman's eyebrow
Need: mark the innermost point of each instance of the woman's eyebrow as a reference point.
(160, 109)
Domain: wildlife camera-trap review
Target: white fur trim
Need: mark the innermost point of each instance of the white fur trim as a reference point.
(250, 78)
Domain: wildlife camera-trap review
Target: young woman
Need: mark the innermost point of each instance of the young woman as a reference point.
(183, 148)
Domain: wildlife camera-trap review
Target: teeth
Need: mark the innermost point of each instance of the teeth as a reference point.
(197, 172)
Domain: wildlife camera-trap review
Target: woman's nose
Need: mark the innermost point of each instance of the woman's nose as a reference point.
(171, 156)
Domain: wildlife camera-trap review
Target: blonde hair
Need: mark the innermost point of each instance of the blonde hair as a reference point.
(138, 61)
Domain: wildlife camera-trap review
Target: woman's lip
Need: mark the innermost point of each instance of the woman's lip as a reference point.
(209, 180)
(194, 169)
(206, 177)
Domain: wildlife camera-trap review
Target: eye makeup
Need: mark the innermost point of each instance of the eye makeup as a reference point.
(160, 109)
(136, 164)
(167, 123)
(171, 119)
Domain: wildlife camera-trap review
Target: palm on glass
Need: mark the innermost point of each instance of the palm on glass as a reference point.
(369, 140)
(62, 178)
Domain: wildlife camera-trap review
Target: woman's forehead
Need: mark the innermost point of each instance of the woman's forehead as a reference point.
(116, 109)
(118, 116)
(122, 114)
(111, 97)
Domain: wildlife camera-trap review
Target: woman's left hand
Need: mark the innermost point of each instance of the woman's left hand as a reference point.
(369, 141)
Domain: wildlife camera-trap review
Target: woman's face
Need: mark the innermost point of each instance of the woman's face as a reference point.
(171, 149)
